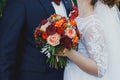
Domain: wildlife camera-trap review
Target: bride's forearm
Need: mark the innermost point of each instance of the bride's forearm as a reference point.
(84, 63)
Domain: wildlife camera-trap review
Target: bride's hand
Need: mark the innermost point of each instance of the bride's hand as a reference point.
(63, 53)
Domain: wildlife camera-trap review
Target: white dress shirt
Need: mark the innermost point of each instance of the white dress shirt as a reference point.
(60, 9)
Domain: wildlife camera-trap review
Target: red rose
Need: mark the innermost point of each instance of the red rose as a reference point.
(51, 29)
(74, 13)
(66, 42)
(44, 21)
(44, 35)
(37, 32)
(60, 30)
(74, 8)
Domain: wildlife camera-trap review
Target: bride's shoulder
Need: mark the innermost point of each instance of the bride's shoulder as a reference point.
(94, 23)
(89, 22)
(94, 20)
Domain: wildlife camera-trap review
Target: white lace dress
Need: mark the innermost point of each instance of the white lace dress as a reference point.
(92, 45)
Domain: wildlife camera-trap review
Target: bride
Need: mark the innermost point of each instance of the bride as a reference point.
(98, 54)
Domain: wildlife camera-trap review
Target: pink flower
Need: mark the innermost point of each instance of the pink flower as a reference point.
(54, 39)
(70, 32)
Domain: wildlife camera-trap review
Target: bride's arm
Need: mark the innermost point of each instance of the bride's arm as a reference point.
(84, 63)
(94, 41)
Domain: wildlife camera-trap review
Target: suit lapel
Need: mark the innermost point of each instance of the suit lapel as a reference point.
(68, 6)
(47, 6)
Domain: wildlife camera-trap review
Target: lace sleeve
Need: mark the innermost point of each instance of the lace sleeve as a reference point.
(95, 44)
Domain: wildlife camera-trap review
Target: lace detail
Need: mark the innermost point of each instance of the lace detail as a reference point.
(92, 44)
(94, 41)
(95, 44)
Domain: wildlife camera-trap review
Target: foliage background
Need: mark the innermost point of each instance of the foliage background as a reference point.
(2, 4)
(75, 2)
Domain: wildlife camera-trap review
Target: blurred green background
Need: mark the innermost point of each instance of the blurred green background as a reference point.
(2, 4)
(75, 2)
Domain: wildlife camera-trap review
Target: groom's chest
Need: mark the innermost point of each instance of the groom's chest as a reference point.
(37, 10)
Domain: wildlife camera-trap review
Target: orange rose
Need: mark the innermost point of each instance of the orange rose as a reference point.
(59, 22)
(73, 22)
(75, 40)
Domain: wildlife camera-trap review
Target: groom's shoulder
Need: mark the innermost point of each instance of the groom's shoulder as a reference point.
(17, 1)
(12, 5)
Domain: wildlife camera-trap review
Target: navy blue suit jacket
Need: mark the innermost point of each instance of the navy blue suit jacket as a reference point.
(18, 52)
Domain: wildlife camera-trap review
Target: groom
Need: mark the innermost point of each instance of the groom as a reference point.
(19, 57)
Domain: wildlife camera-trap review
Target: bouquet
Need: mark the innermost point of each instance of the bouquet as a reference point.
(54, 35)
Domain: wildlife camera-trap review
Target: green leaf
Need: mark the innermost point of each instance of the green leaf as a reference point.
(2, 4)
(75, 2)
(53, 50)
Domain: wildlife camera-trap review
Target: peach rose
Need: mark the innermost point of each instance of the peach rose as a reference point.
(43, 27)
(54, 39)
(70, 32)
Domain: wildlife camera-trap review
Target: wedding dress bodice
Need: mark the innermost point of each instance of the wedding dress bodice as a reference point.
(92, 45)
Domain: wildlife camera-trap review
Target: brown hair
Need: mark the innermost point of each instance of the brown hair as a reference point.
(93, 2)
(108, 2)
